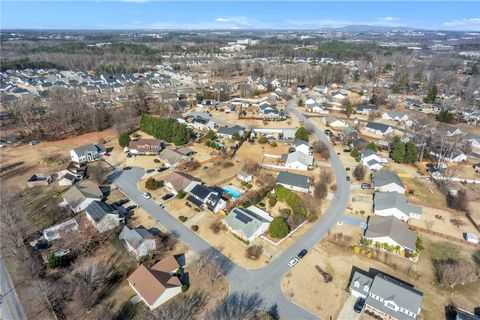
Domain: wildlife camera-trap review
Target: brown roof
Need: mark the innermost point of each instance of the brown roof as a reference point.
(145, 145)
(150, 283)
(179, 180)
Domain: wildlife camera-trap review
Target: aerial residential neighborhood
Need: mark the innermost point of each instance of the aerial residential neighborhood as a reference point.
(240, 160)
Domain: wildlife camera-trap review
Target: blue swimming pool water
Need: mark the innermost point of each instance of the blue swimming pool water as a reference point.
(234, 192)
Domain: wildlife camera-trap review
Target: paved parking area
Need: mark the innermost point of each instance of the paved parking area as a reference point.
(347, 312)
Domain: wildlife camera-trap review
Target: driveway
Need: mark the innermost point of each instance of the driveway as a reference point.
(353, 221)
(265, 281)
(347, 312)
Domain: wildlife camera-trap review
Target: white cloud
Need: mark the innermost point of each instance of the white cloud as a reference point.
(222, 20)
(463, 24)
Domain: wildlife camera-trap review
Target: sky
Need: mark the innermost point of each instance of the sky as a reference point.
(150, 14)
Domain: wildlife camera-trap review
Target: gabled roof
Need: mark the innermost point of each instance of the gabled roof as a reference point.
(393, 228)
(230, 130)
(377, 126)
(79, 193)
(293, 179)
(383, 178)
(300, 157)
(387, 200)
(367, 152)
(248, 220)
(99, 209)
(145, 145)
(180, 180)
(152, 282)
(367, 107)
(363, 279)
(88, 148)
(299, 142)
(201, 191)
(135, 236)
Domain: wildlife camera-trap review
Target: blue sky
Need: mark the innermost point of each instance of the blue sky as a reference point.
(145, 14)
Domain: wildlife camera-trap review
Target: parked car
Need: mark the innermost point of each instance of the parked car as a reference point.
(131, 207)
(162, 206)
(366, 185)
(293, 262)
(34, 142)
(358, 307)
(149, 170)
(121, 202)
(127, 168)
(347, 168)
(302, 253)
(348, 178)
(167, 196)
(346, 150)
(146, 195)
(160, 169)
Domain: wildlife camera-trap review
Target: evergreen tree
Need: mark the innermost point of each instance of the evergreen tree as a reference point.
(349, 110)
(398, 152)
(302, 134)
(123, 139)
(411, 152)
(355, 153)
(372, 146)
(445, 117)
(432, 95)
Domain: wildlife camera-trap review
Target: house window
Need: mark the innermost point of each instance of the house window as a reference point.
(390, 305)
(402, 309)
(365, 288)
(357, 284)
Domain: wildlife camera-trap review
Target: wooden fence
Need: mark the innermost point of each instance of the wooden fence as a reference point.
(444, 236)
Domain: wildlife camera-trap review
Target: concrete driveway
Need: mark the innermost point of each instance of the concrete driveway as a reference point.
(347, 312)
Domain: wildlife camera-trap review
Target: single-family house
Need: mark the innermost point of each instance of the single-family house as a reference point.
(395, 204)
(103, 216)
(370, 159)
(203, 196)
(87, 153)
(367, 109)
(298, 160)
(335, 122)
(474, 140)
(247, 223)
(157, 284)
(39, 181)
(387, 181)
(395, 116)
(456, 155)
(145, 146)
(180, 181)
(386, 297)
(391, 231)
(302, 146)
(202, 124)
(378, 129)
(74, 168)
(59, 230)
(446, 130)
(316, 108)
(229, 132)
(349, 133)
(271, 112)
(138, 240)
(172, 158)
(461, 314)
(295, 182)
(244, 176)
(80, 196)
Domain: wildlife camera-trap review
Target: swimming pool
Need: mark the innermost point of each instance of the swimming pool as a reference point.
(234, 192)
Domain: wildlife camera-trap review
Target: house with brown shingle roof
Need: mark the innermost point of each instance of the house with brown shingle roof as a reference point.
(179, 181)
(157, 284)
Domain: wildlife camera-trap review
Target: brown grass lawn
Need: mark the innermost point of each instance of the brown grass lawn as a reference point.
(306, 290)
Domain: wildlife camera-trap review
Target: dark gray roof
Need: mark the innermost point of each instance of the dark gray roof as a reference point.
(367, 107)
(401, 294)
(465, 315)
(293, 179)
(98, 209)
(201, 191)
(299, 142)
(135, 236)
(363, 279)
(393, 228)
(383, 178)
(230, 130)
(377, 126)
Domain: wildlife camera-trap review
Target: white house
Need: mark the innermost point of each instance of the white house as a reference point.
(378, 129)
(317, 109)
(203, 196)
(80, 196)
(370, 159)
(157, 284)
(335, 122)
(456, 156)
(245, 177)
(295, 182)
(247, 223)
(395, 204)
(299, 161)
(387, 181)
(392, 231)
(302, 146)
(103, 216)
(367, 109)
(395, 116)
(138, 240)
(87, 153)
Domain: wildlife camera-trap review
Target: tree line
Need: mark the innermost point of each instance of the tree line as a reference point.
(167, 129)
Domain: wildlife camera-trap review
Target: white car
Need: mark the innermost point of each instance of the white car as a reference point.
(293, 262)
(146, 195)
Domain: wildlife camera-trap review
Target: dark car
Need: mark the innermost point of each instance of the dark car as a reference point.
(348, 178)
(121, 202)
(127, 168)
(167, 196)
(131, 207)
(347, 168)
(302, 253)
(358, 307)
(150, 170)
(346, 150)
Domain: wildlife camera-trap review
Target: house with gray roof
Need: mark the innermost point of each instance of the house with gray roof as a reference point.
(298, 160)
(391, 231)
(202, 196)
(247, 223)
(302, 146)
(138, 240)
(367, 109)
(395, 204)
(80, 196)
(370, 159)
(103, 216)
(295, 182)
(387, 181)
(387, 297)
(87, 153)
(395, 116)
(378, 129)
(228, 132)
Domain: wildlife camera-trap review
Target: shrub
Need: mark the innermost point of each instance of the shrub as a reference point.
(254, 252)
(181, 195)
(153, 184)
(359, 172)
(182, 218)
(262, 140)
(217, 226)
(54, 262)
(195, 228)
(321, 190)
(272, 200)
(185, 287)
(278, 228)
(285, 212)
(273, 144)
(123, 139)
(302, 134)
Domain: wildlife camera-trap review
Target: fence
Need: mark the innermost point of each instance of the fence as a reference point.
(444, 236)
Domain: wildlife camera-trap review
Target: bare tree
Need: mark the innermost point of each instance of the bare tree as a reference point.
(52, 296)
(429, 224)
(455, 272)
(321, 149)
(254, 252)
(236, 306)
(321, 190)
(251, 167)
(218, 266)
(97, 172)
(359, 172)
(325, 176)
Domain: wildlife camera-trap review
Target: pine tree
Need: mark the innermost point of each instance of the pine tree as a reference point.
(411, 152)
(123, 139)
(432, 95)
(302, 134)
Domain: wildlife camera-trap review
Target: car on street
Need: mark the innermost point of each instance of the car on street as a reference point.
(162, 206)
(366, 186)
(346, 150)
(302, 253)
(358, 306)
(146, 195)
(127, 168)
(167, 196)
(347, 168)
(348, 178)
(293, 262)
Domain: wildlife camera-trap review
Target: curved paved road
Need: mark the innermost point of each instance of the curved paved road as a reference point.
(11, 309)
(264, 281)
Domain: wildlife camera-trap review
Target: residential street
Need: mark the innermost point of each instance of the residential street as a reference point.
(264, 281)
(9, 304)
